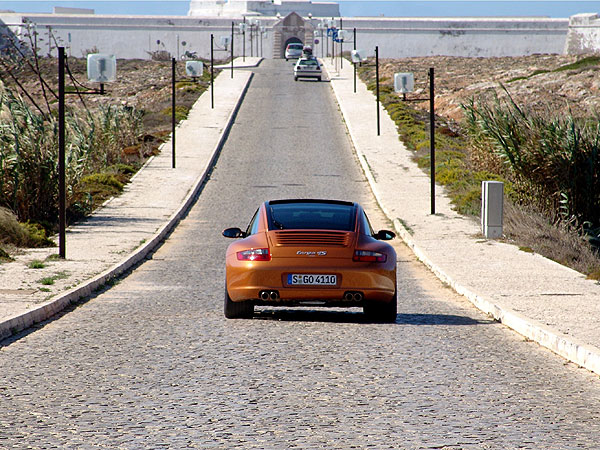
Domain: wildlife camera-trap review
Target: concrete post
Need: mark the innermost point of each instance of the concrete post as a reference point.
(492, 210)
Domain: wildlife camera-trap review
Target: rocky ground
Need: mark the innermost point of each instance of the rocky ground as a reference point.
(532, 80)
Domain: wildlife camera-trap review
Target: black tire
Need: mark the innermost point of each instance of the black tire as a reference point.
(295, 78)
(238, 310)
(382, 312)
(318, 78)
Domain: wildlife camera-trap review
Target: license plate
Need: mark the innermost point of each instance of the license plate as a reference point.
(304, 279)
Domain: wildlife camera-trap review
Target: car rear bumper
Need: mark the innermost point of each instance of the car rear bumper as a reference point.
(307, 73)
(376, 282)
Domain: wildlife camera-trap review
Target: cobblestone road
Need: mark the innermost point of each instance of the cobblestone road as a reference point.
(152, 363)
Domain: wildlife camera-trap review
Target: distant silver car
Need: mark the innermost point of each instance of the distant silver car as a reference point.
(293, 51)
(307, 68)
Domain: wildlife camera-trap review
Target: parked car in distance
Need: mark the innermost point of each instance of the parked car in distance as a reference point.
(308, 252)
(307, 68)
(293, 50)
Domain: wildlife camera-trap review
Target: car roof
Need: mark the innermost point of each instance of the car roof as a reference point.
(310, 200)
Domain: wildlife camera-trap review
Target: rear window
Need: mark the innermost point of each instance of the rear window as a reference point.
(308, 62)
(295, 46)
(311, 216)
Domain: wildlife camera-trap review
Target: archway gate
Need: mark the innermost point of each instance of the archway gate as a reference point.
(290, 27)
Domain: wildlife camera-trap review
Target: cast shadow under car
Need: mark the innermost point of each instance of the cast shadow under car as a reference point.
(344, 316)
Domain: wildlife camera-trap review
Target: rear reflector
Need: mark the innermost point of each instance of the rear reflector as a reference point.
(255, 254)
(367, 256)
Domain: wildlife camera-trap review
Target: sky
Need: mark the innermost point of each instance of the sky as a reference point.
(348, 8)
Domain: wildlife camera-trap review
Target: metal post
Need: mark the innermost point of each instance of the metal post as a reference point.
(377, 84)
(244, 43)
(341, 45)
(332, 50)
(173, 112)
(322, 48)
(251, 43)
(212, 76)
(354, 40)
(231, 49)
(432, 137)
(62, 191)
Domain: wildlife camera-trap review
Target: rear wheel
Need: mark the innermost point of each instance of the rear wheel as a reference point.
(295, 78)
(238, 310)
(382, 312)
(318, 78)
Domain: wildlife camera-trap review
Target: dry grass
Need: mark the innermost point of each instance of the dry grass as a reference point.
(530, 229)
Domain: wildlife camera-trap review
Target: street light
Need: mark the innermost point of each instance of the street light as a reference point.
(242, 26)
(101, 69)
(357, 57)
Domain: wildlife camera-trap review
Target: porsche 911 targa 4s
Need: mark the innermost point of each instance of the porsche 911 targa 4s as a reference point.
(310, 253)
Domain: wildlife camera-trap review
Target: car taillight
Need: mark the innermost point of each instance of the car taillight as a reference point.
(368, 256)
(255, 254)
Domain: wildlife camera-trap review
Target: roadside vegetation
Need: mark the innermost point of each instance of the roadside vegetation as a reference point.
(108, 138)
(549, 162)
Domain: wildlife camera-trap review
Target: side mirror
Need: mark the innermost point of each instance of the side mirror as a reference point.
(384, 235)
(233, 233)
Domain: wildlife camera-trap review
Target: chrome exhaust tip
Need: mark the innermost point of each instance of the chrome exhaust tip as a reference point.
(264, 295)
(349, 296)
(274, 295)
(358, 297)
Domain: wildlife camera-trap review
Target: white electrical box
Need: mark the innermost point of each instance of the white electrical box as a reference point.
(492, 208)
(194, 68)
(404, 83)
(358, 56)
(225, 40)
(101, 68)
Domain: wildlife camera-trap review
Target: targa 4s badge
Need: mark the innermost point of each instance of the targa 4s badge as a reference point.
(319, 253)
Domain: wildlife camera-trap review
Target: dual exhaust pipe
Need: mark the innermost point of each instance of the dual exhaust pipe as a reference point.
(269, 295)
(353, 296)
(273, 296)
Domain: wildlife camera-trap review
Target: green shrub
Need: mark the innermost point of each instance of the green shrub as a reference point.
(181, 112)
(553, 161)
(36, 264)
(29, 152)
(103, 179)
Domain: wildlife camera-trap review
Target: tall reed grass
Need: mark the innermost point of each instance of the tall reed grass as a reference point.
(29, 152)
(553, 160)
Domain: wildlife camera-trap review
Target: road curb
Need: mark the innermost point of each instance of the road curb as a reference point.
(584, 355)
(48, 309)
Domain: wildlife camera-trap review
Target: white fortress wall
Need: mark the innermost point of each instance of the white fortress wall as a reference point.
(476, 37)
(584, 34)
(134, 36)
(137, 36)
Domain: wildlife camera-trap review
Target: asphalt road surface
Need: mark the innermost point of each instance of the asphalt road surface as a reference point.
(152, 363)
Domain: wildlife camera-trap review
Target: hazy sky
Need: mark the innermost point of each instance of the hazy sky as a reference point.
(562, 8)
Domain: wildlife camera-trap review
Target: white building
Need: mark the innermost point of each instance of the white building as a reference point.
(239, 8)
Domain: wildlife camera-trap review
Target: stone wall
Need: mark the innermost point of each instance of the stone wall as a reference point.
(584, 34)
(141, 36)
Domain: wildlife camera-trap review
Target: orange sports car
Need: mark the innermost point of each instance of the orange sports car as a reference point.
(310, 253)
